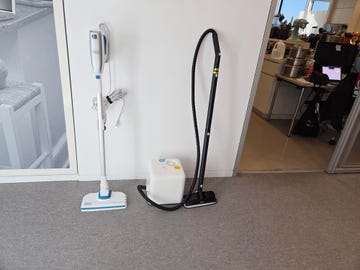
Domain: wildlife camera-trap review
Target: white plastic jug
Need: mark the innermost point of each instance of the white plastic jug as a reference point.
(278, 51)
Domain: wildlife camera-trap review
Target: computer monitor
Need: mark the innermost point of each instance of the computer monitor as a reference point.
(334, 73)
(335, 55)
(7, 9)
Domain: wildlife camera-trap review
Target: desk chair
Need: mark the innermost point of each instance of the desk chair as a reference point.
(23, 102)
(309, 122)
(338, 105)
(319, 80)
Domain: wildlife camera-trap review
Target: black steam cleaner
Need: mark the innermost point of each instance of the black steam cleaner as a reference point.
(200, 197)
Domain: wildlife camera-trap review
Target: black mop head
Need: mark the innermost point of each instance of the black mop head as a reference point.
(198, 200)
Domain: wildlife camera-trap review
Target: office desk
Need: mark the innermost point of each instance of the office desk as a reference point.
(300, 84)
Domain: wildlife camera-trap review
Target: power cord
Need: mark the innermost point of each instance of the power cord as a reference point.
(114, 96)
(117, 94)
(120, 114)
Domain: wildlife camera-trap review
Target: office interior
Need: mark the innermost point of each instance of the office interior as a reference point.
(329, 41)
(261, 221)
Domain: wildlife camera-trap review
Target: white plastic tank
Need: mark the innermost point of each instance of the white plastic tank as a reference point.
(278, 51)
(166, 181)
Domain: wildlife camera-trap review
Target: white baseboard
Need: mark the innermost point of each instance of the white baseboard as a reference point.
(189, 174)
(37, 178)
(212, 173)
(74, 177)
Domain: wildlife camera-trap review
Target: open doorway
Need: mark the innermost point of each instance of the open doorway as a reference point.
(284, 92)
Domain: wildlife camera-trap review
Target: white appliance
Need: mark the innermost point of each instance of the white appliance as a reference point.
(105, 199)
(166, 181)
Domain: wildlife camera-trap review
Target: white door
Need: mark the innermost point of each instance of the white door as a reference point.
(36, 121)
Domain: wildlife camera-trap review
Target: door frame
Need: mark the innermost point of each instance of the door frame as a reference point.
(255, 85)
(345, 143)
(61, 174)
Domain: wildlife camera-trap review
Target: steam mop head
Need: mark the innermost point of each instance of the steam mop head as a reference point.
(92, 202)
(206, 198)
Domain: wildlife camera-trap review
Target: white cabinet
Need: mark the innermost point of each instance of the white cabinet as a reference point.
(266, 85)
(287, 96)
(264, 94)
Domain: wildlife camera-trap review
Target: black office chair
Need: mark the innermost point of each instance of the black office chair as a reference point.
(319, 80)
(309, 123)
(337, 106)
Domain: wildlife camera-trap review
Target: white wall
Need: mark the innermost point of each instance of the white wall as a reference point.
(354, 23)
(315, 18)
(342, 11)
(152, 48)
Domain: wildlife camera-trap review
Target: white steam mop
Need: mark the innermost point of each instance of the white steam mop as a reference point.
(105, 199)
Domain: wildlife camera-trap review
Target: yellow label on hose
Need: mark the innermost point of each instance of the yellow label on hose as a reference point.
(216, 71)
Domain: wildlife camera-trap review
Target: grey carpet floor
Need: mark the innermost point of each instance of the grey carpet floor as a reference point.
(275, 221)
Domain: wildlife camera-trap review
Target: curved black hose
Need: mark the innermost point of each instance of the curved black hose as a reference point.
(141, 188)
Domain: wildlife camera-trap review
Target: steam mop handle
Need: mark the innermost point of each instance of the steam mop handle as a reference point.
(101, 127)
(216, 43)
(210, 110)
